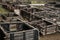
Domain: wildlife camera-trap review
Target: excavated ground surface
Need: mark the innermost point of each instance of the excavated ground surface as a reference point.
(51, 37)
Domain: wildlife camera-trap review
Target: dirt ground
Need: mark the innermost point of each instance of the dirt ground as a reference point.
(51, 37)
